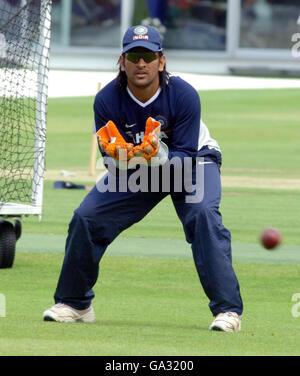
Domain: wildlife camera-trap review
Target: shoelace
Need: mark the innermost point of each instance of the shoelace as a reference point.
(230, 314)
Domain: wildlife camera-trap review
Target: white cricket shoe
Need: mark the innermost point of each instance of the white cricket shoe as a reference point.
(64, 313)
(226, 322)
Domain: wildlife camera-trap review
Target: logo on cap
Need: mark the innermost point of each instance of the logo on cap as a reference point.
(140, 30)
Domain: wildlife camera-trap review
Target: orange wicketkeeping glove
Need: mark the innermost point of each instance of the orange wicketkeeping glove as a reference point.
(150, 145)
(112, 143)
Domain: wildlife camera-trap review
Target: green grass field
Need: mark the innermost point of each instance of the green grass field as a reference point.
(148, 297)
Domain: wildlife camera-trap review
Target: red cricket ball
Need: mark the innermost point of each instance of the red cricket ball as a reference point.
(270, 238)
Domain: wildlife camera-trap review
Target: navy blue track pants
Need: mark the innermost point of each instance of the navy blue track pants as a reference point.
(101, 217)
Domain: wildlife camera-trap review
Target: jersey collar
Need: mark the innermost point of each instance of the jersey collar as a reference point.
(152, 99)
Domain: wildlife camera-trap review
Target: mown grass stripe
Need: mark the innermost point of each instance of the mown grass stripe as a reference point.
(163, 248)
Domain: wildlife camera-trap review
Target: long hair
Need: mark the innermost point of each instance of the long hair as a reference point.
(121, 78)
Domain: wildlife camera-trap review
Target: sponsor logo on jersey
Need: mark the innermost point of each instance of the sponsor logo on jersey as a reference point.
(137, 137)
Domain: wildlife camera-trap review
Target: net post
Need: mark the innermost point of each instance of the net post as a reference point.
(41, 104)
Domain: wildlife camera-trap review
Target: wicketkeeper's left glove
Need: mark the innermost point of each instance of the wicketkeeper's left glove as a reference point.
(150, 145)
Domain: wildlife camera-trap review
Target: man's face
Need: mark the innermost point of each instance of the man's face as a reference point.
(142, 67)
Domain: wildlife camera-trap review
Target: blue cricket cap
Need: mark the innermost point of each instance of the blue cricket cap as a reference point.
(142, 36)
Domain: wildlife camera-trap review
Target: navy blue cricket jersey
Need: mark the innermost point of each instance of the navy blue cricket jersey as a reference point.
(177, 107)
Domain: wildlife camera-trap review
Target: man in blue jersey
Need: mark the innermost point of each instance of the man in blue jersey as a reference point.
(147, 120)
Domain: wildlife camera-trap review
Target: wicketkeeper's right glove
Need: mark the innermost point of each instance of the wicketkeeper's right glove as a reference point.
(112, 142)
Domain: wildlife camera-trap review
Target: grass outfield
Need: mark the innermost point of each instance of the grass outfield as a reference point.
(148, 297)
(147, 306)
